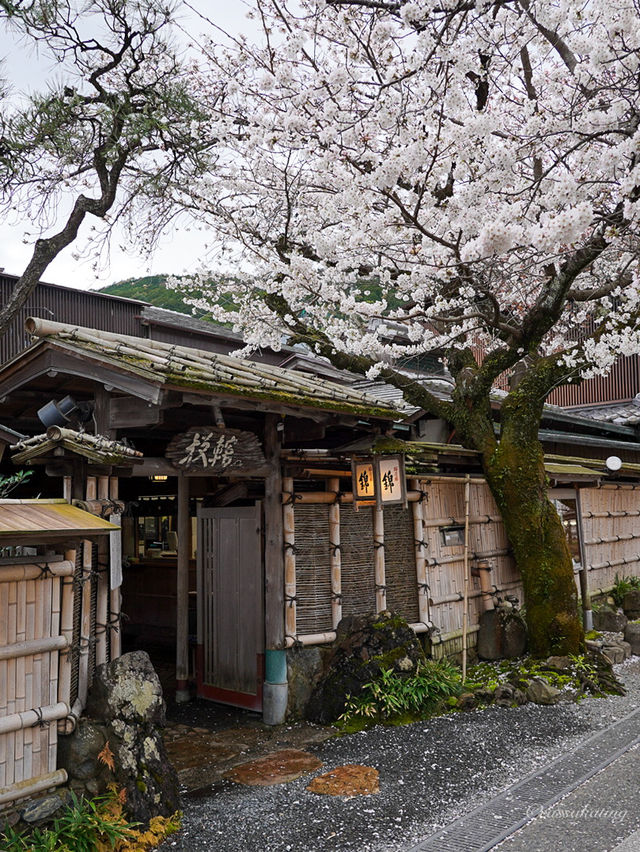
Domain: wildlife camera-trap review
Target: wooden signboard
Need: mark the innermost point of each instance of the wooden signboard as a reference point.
(215, 450)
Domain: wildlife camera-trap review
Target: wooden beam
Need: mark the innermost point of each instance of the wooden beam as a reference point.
(182, 591)
(274, 539)
(127, 412)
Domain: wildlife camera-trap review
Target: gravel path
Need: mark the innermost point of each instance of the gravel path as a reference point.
(430, 773)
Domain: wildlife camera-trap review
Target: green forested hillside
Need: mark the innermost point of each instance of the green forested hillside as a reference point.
(153, 289)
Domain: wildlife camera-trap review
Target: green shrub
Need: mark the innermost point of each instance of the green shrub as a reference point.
(392, 695)
(622, 585)
(91, 825)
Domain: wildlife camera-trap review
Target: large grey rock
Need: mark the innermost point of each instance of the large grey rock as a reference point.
(364, 646)
(631, 604)
(609, 620)
(613, 653)
(127, 697)
(43, 809)
(541, 692)
(304, 666)
(78, 754)
(502, 635)
(632, 636)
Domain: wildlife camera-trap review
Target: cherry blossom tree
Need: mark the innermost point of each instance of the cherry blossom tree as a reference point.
(476, 161)
(116, 123)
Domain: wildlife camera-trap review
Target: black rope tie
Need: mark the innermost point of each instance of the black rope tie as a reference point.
(291, 548)
(380, 588)
(424, 588)
(420, 542)
(40, 722)
(489, 520)
(338, 495)
(335, 549)
(45, 571)
(291, 599)
(292, 497)
(378, 544)
(336, 596)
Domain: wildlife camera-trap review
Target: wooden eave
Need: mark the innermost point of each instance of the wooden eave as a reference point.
(41, 521)
(136, 379)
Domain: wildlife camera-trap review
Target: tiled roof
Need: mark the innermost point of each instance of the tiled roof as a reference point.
(199, 370)
(623, 413)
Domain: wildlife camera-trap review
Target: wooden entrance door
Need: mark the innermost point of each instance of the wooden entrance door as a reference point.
(230, 606)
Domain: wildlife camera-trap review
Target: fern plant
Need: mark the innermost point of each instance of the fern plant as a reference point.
(391, 694)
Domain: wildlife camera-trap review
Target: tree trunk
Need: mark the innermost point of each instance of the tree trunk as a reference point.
(516, 476)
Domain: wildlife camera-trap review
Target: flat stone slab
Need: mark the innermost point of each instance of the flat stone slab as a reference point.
(349, 780)
(276, 768)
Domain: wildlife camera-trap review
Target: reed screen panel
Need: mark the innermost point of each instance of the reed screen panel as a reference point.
(313, 569)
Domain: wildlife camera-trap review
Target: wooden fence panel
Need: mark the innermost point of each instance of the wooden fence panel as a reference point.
(30, 645)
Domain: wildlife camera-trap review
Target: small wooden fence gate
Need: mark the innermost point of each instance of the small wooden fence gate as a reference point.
(49, 608)
(36, 624)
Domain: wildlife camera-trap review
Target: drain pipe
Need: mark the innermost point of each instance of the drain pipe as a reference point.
(275, 687)
(483, 572)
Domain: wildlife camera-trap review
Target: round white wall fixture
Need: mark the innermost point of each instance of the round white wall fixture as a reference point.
(613, 463)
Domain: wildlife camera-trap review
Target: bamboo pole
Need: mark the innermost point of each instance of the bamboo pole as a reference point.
(330, 635)
(456, 597)
(43, 782)
(328, 497)
(289, 534)
(182, 591)
(29, 718)
(465, 611)
(378, 560)
(17, 573)
(43, 645)
(336, 558)
(420, 550)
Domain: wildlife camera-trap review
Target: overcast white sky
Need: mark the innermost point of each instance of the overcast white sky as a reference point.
(179, 252)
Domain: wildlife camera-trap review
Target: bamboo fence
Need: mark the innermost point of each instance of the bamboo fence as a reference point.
(611, 528)
(339, 562)
(36, 610)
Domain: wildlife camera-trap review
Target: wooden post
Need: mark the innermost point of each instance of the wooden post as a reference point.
(289, 561)
(378, 557)
(465, 613)
(102, 606)
(182, 591)
(274, 539)
(67, 488)
(115, 596)
(336, 558)
(421, 556)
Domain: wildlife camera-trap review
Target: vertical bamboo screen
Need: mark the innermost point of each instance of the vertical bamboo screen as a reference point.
(32, 640)
(409, 537)
(611, 527)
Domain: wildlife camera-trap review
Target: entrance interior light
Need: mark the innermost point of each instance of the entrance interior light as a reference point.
(159, 477)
